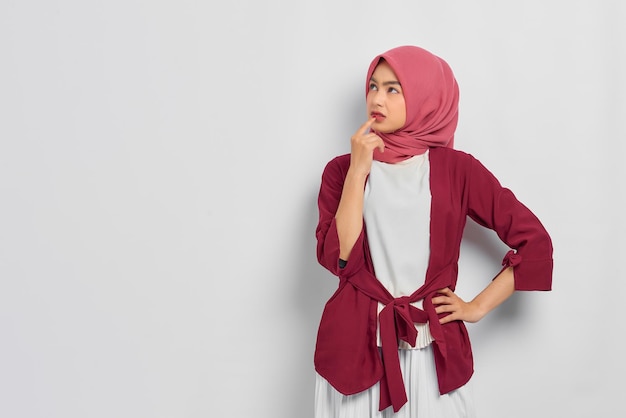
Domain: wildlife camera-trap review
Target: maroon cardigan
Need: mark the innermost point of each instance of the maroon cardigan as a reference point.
(346, 352)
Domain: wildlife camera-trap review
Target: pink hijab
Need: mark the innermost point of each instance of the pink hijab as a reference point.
(431, 95)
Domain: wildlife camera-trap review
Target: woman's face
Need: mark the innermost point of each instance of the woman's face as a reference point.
(385, 101)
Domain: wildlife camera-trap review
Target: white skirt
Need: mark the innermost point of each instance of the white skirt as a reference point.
(420, 381)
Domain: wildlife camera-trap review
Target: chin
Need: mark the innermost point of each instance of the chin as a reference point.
(378, 127)
(383, 130)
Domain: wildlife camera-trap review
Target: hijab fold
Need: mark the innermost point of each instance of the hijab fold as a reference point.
(431, 95)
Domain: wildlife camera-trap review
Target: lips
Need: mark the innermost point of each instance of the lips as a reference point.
(378, 116)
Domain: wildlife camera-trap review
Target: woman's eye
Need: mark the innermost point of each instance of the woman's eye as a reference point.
(373, 87)
(393, 90)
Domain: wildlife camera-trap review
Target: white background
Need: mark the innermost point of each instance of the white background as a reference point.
(159, 169)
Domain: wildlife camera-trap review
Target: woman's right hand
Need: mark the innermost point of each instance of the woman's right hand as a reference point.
(363, 144)
(349, 215)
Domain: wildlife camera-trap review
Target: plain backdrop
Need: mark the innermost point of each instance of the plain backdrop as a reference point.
(159, 169)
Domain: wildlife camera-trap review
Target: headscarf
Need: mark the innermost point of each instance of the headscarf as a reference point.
(431, 96)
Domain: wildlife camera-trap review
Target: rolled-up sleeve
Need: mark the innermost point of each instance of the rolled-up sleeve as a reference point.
(329, 196)
(497, 208)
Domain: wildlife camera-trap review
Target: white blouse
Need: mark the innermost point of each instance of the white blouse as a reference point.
(396, 211)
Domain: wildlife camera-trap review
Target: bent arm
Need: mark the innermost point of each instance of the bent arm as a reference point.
(329, 246)
(499, 290)
(497, 208)
(528, 266)
(349, 216)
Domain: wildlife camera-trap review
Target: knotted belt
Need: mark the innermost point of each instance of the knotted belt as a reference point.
(397, 322)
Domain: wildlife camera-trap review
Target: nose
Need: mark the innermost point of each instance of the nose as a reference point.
(378, 97)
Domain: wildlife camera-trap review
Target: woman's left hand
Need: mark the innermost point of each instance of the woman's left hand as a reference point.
(458, 309)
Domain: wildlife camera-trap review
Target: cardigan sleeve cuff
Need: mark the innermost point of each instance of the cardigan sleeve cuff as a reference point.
(337, 266)
(534, 275)
(511, 259)
(529, 274)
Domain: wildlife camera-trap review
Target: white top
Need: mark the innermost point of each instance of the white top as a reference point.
(396, 210)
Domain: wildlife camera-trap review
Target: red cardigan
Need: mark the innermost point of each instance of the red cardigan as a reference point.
(346, 353)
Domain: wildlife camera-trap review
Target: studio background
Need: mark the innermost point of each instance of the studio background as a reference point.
(159, 169)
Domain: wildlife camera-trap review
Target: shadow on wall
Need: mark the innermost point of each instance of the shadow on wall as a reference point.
(481, 259)
(314, 286)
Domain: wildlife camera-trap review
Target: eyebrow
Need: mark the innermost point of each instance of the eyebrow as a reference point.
(387, 83)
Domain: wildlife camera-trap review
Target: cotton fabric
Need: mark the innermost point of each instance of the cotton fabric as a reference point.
(396, 211)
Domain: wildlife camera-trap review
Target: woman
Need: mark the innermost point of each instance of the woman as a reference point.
(391, 219)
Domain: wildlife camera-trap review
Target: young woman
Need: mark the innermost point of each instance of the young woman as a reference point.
(392, 339)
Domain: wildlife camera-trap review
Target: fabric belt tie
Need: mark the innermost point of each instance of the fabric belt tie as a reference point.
(397, 322)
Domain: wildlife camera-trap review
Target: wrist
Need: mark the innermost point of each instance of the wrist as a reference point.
(479, 311)
(356, 175)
